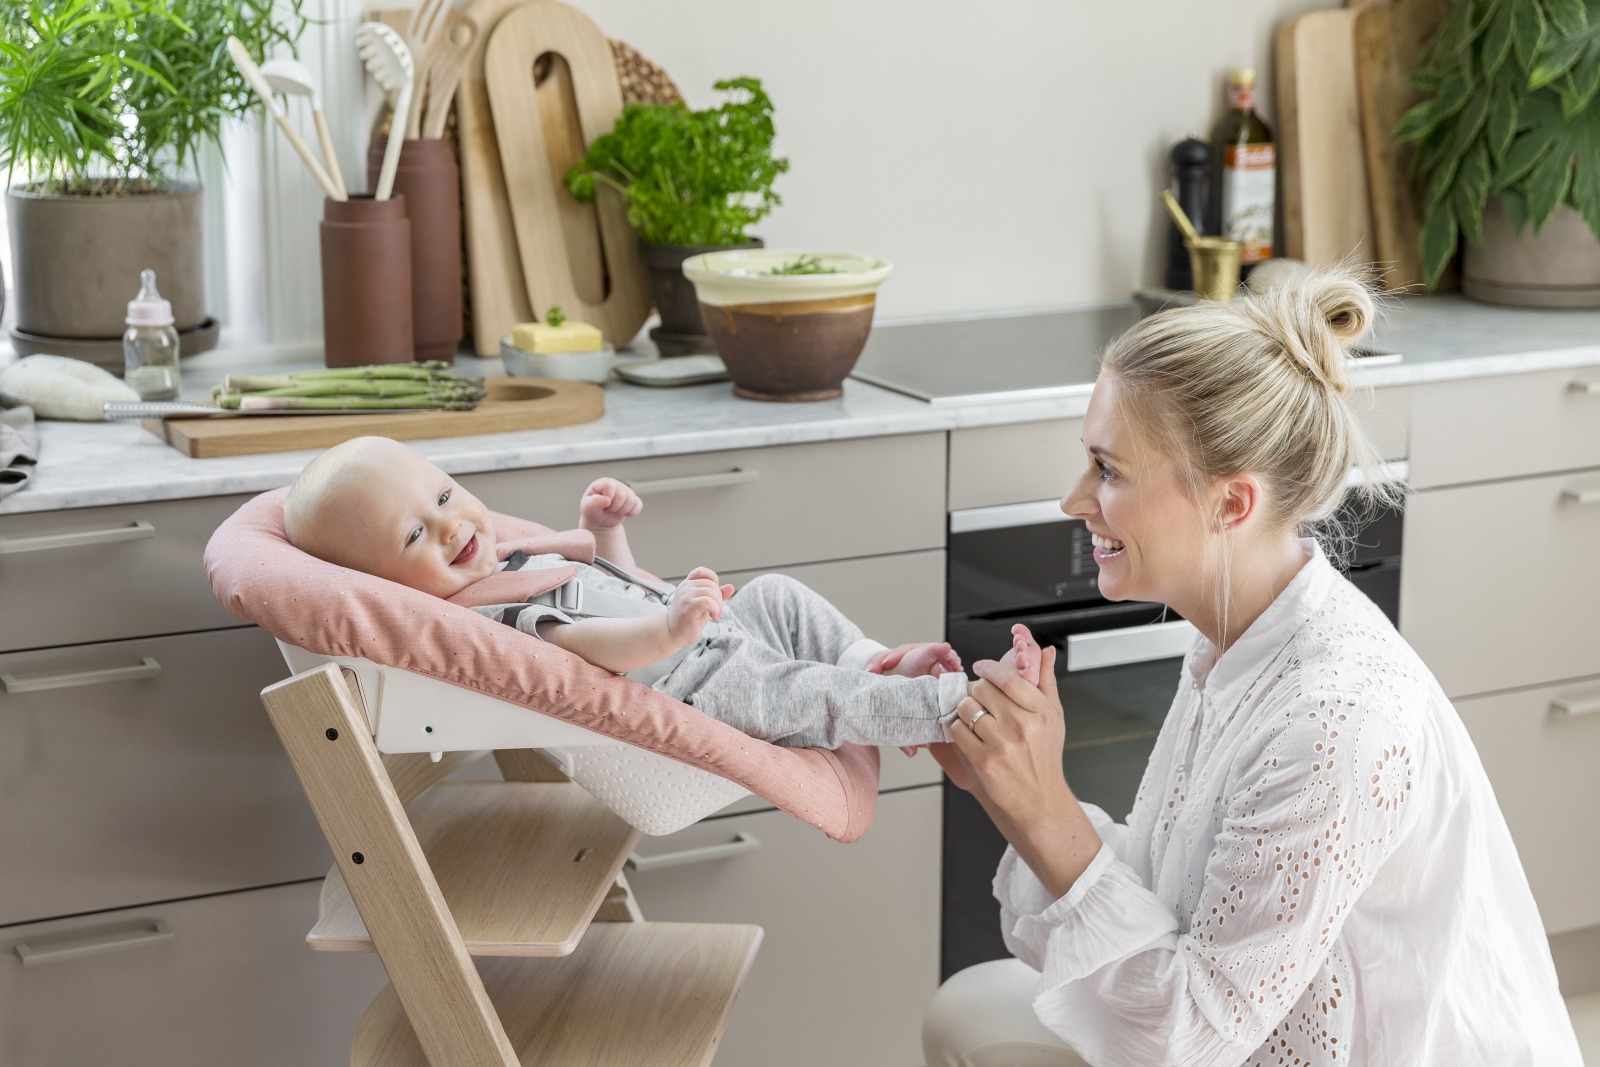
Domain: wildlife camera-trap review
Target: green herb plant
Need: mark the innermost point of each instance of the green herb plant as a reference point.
(554, 317)
(804, 265)
(111, 97)
(689, 177)
(1510, 112)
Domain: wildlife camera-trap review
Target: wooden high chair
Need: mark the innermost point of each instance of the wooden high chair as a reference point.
(527, 874)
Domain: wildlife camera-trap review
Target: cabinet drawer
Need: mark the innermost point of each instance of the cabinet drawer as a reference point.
(99, 574)
(149, 787)
(1503, 427)
(221, 980)
(851, 953)
(1015, 464)
(894, 599)
(1534, 622)
(1541, 759)
(754, 508)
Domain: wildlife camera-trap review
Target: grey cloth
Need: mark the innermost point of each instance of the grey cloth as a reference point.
(19, 448)
(773, 668)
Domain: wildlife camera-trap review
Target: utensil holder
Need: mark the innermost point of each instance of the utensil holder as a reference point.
(366, 282)
(1215, 261)
(430, 181)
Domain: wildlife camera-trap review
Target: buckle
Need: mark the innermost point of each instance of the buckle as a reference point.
(569, 596)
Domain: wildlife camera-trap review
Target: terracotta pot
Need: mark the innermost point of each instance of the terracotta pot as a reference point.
(1557, 267)
(77, 259)
(787, 337)
(681, 332)
(366, 282)
(429, 180)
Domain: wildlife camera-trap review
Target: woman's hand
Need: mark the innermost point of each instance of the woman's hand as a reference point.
(1010, 735)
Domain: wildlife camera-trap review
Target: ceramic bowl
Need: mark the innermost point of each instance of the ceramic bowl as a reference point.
(594, 366)
(786, 336)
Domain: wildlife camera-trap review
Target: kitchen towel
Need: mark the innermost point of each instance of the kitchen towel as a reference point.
(19, 448)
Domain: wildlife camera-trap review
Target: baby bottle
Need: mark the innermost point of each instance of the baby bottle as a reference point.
(150, 347)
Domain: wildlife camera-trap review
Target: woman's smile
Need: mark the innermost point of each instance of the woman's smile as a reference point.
(1106, 548)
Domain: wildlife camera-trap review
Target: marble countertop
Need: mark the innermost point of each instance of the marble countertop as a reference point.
(1439, 337)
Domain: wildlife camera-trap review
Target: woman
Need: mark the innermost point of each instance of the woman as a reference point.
(1315, 870)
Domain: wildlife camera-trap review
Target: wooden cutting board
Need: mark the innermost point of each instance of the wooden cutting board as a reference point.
(1389, 36)
(1327, 214)
(586, 262)
(512, 404)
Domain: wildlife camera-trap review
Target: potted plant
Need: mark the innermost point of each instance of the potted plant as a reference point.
(1508, 142)
(103, 107)
(693, 182)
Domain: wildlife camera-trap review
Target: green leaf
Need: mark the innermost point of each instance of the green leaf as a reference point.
(1439, 240)
(1501, 125)
(1516, 206)
(1424, 118)
(1558, 59)
(1547, 186)
(1472, 192)
(1497, 40)
(1525, 153)
(1568, 16)
(1586, 190)
(1527, 31)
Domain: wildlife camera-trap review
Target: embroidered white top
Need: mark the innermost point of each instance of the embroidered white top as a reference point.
(1315, 871)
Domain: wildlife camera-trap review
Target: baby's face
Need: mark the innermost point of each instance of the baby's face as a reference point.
(410, 522)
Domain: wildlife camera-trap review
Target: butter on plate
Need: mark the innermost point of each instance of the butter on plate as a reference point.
(542, 338)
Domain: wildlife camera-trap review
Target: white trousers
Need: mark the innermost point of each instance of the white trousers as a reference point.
(983, 1017)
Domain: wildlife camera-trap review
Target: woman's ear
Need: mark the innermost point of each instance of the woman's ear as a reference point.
(1239, 499)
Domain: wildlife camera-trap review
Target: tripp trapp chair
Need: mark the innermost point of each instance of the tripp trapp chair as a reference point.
(395, 691)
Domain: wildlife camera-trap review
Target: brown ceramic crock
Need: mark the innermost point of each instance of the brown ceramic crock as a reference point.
(430, 181)
(366, 282)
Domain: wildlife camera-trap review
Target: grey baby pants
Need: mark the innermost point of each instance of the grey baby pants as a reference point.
(789, 670)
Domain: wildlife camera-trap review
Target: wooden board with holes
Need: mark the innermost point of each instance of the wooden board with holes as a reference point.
(540, 131)
(1389, 36)
(1327, 215)
(512, 404)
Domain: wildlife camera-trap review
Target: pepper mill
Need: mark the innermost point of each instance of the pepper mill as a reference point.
(1191, 158)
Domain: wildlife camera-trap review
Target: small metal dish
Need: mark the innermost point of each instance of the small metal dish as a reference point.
(593, 366)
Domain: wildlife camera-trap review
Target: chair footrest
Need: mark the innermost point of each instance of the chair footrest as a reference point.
(523, 866)
(632, 995)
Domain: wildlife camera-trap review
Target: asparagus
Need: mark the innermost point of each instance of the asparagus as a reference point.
(342, 403)
(385, 386)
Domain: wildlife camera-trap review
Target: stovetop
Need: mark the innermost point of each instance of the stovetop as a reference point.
(1028, 356)
(1003, 357)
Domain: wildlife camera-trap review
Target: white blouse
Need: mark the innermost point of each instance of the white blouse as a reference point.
(1315, 872)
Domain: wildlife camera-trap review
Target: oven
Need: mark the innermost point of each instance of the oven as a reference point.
(1117, 667)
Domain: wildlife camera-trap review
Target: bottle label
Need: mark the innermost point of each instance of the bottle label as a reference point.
(1249, 178)
(1242, 97)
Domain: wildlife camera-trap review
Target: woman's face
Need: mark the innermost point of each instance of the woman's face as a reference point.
(1150, 540)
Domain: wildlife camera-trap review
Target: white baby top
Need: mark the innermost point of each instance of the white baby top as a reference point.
(1315, 872)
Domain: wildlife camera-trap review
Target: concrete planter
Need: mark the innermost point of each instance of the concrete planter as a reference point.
(681, 332)
(78, 258)
(1558, 267)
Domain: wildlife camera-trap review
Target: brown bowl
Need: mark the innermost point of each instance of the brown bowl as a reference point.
(791, 350)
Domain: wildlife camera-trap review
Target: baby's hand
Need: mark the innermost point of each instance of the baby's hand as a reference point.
(698, 599)
(606, 503)
(1025, 655)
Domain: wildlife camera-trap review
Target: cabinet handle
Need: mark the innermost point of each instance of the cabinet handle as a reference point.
(737, 476)
(157, 932)
(12, 684)
(1587, 388)
(136, 531)
(1581, 496)
(1574, 706)
(1132, 644)
(741, 844)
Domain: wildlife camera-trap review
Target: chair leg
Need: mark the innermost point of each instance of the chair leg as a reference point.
(324, 730)
(620, 905)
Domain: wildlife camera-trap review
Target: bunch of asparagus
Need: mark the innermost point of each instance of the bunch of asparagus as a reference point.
(383, 387)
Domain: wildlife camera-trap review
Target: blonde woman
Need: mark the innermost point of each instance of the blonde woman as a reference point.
(1315, 871)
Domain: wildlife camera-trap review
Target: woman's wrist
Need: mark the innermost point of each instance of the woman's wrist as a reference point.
(1055, 839)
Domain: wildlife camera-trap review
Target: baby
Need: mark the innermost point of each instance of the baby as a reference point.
(776, 661)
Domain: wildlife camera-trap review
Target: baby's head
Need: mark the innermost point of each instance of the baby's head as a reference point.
(374, 505)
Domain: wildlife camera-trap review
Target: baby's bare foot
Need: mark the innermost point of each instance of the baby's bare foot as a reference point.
(936, 657)
(1025, 655)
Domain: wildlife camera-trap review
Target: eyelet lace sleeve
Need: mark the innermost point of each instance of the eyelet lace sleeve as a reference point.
(1249, 964)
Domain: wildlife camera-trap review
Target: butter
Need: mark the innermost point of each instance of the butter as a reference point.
(544, 339)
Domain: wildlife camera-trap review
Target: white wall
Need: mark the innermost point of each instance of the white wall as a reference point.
(1002, 153)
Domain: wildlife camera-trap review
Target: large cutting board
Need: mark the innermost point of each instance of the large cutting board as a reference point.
(587, 263)
(1389, 38)
(512, 404)
(1327, 215)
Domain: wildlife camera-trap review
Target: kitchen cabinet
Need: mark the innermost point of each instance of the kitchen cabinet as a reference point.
(165, 861)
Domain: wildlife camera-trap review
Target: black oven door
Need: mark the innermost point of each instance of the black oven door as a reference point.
(1117, 668)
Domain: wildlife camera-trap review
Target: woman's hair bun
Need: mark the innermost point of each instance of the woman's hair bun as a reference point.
(1316, 316)
(1345, 303)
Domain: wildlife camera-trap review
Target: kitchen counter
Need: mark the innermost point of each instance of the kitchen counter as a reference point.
(1440, 338)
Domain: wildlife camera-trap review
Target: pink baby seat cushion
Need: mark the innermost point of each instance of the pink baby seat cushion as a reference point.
(674, 764)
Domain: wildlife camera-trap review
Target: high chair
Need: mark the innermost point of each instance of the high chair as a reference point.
(524, 873)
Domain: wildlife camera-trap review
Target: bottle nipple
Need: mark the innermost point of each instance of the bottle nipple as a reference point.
(148, 308)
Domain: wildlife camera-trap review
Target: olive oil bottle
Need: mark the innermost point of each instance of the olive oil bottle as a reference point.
(1245, 175)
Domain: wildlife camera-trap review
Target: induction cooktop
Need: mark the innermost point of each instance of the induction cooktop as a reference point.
(1002, 357)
